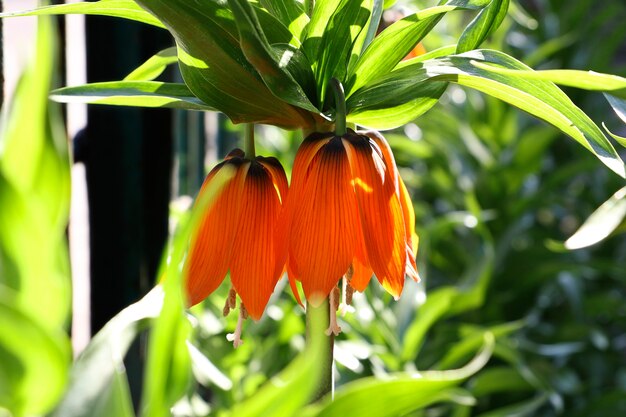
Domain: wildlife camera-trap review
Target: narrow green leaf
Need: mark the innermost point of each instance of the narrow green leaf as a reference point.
(329, 50)
(132, 93)
(102, 361)
(618, 105)
(259, 53)
(586, 80)
(154, 66)
(290, 13)
(29, 355)
(286, 393)
(527, 408)
(214, 66)
(395, 42)
(541, 99)
(601, 223)
(619, 139)
(126, 9)
(485, 23)
(401, 394)
(389, 111)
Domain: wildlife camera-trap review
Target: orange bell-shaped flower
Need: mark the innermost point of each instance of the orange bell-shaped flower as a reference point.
(237, 234)
(347, 211)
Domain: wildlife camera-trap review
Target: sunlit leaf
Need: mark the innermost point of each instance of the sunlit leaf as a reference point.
(260, 54)
(487, 21)
(154, 66)
(586, 80)
(286, 393)
(290, 13)
(101, 363)
(542, 99)
(132, 93)
(214, 67)
(127, 9)
(395, 42)
(29, 354)
(601, 223)
(400, 394)
(618, 105)
(329, 39)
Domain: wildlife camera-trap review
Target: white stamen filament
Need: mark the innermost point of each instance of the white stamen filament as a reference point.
(236, 337)
(333, 327)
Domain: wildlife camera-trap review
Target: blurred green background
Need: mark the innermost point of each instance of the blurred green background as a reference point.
(496, 193)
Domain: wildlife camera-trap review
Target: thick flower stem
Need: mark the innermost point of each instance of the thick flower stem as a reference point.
(317, 320)
(249, 141)
(340, 107)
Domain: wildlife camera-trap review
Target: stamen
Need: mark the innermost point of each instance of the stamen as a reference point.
(347, 291)
(333, 327)
(231, 302)
(236, 337)
(232, 298)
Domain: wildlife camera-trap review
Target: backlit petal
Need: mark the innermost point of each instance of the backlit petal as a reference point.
(211, 245)
(410, 235)
(381, 214)
(306, 152)
(322, 229)
(253, 269)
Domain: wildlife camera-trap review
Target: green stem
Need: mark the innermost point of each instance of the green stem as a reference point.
(249, 141)
(340, 107)
(317, 320)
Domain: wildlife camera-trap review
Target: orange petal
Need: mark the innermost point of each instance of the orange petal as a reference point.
(211, 245)
(306, 152)
(324, 218)
(380, 213)
(410, 235)
(253, 270)
(278, 176)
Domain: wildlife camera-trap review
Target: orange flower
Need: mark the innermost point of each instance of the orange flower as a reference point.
(348, 213)
(237, 234)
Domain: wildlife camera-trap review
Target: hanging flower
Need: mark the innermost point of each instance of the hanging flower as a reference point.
(348, 214)
(237, 234)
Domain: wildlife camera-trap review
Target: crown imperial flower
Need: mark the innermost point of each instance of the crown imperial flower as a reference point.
(237, 235)
(348, 213)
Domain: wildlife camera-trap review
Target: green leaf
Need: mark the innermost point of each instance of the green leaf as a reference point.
(541, 99)
(29, 355)
(527, 408)
(286, 393)
(215, 68)
(601, 223)
(400, 394)
(330, 38)
(101, 363)
(35, 193)
(127, 9)
(586, 80)
(259, 53)
(154, 66)
(618, 105)
(290, 13)
(132, 93)
(485, 23)
(391, 116)
(395, 42)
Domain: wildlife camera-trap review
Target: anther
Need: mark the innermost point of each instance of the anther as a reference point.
(232, 298)
(347, 292)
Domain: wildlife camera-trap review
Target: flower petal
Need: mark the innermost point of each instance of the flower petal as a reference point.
(211, 245)
(253, 270)
(410, 235)
(324, 218)
(380, 211)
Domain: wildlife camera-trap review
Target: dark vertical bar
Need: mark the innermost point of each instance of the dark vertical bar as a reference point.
(1, 56)
(127, 153)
